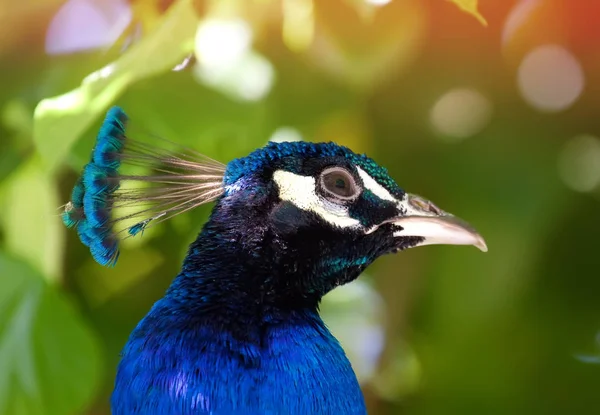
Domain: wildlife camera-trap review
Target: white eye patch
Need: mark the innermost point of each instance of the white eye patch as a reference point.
(381, 192)
(377, 189)
(301, 192)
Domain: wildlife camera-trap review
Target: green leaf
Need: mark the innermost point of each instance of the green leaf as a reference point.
(470, 6)
(60, 121)
(49, 358)
(30, 218)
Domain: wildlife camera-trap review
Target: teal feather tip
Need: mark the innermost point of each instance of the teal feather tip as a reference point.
(138, 227)
(141, 226)
(83, 230)
(77, 194)
(105, 247)
(72, 215)
(112, 201)
(110, 141)
(97, 209)
(99, 181)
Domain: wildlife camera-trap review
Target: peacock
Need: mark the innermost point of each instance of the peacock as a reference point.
(238, 331)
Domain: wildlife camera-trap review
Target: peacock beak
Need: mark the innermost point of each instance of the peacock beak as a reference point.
(423, 219)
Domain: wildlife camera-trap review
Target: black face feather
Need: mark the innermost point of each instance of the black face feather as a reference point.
(281, 255)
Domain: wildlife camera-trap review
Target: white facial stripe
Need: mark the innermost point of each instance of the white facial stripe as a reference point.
(377, 189)
(301, 192)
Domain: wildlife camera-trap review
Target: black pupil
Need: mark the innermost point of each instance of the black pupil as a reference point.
(338, 183)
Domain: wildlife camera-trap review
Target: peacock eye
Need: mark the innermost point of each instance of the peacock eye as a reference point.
(338, 183)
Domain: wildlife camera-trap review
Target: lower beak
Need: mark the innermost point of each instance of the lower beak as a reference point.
(423, 219)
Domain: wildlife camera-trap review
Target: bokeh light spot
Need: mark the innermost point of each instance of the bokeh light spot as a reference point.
(400, 375)
(222, 42)
(285, 134)
(298, 24)
(518, 16)
(355, 314)
(460, 113)
(550, 78)
(256, 75)
(227, 63)
(579, 163)
(250, 79)
(591, 358)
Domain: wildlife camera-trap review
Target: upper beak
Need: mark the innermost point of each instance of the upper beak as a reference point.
(423, 219)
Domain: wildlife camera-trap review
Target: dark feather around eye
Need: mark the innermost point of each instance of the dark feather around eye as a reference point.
(338, 183)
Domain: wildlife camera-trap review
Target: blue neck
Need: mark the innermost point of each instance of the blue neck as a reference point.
(222, 342)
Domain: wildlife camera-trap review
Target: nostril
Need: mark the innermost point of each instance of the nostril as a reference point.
(419, 203)
(434, 209)
(425, 205)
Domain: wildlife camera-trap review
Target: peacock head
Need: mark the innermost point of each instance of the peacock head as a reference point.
(316, 213)
(327, 212)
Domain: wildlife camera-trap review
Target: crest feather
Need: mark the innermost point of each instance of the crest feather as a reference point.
(130, 185)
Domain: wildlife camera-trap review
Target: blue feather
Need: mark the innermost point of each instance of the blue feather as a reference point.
(73, 212)
(72, 215)
(178, 181)
(97, 210)
(77, 193)
(99, 181)
(177, 363)
(138, 227)
(99, 184)
(104, 247)
(110, 140)
(84, 233)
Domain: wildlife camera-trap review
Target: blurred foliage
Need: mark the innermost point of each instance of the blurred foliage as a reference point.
(49, 357)
(435, 330)
(69, 115)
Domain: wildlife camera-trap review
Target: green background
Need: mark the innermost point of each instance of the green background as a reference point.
(512, 331)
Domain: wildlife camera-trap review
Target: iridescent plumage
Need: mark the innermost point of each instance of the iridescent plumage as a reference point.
(238, 331)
